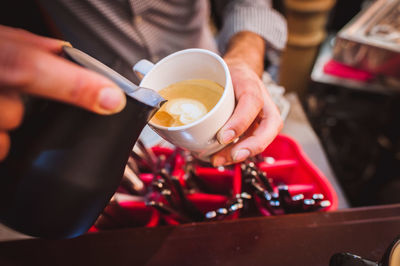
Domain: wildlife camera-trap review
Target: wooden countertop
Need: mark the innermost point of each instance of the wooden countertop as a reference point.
(300, 239)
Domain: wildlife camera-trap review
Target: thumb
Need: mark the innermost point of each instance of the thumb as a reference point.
(43, 74)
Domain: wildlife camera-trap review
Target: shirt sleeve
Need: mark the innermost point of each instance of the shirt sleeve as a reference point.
(256, 16)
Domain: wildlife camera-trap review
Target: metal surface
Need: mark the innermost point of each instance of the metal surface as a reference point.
(91, 63)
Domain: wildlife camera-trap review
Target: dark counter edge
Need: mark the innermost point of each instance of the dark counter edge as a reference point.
(300, 239)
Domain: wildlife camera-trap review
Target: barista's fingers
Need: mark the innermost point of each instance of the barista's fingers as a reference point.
(224, 156)
(259, 138)
(4, 144)
(260, 134)
(43, 74)
(11, 110)
(249, 91)
(29, 39)
(248, 106)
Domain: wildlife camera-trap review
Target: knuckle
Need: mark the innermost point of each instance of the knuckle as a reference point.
(259, 148)
(240, 126)
(256, 100)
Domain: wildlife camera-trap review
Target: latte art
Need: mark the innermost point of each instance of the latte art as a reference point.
(186, 110)
(188, 101)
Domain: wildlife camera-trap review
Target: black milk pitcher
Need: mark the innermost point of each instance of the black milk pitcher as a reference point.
(65, 162)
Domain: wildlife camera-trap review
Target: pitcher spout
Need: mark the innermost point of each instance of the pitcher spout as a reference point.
(144, 95)
(148, 97)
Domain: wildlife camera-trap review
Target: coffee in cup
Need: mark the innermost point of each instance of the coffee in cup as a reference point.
(188, 101)
(190, 119)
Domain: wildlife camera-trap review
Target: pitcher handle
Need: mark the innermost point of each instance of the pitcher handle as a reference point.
(142, 67)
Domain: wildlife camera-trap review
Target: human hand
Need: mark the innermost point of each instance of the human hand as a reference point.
(256, 120)
(31, 64)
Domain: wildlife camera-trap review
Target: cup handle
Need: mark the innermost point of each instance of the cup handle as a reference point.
(142, 67)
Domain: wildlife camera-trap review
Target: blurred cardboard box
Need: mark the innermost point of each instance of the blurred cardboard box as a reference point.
(371, 41)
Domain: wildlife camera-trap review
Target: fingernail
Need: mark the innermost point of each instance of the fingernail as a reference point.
(219, 161)
(65, 43)
(226, 136)
(241, 155)
(111, 100)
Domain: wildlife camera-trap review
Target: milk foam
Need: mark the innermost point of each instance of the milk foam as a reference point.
(188, 101)
(185, 110)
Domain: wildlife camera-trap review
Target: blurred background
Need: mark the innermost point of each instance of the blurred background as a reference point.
(353, 108)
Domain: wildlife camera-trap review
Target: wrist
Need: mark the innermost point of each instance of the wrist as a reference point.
(246, 48)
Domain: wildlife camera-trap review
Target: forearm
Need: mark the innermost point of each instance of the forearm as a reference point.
(249, 48)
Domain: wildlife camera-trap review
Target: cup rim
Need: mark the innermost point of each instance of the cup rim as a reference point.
(213, 110)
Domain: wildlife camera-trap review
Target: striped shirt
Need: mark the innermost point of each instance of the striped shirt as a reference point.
(121, 32)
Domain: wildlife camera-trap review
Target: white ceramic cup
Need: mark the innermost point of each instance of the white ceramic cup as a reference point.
(198, 137)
